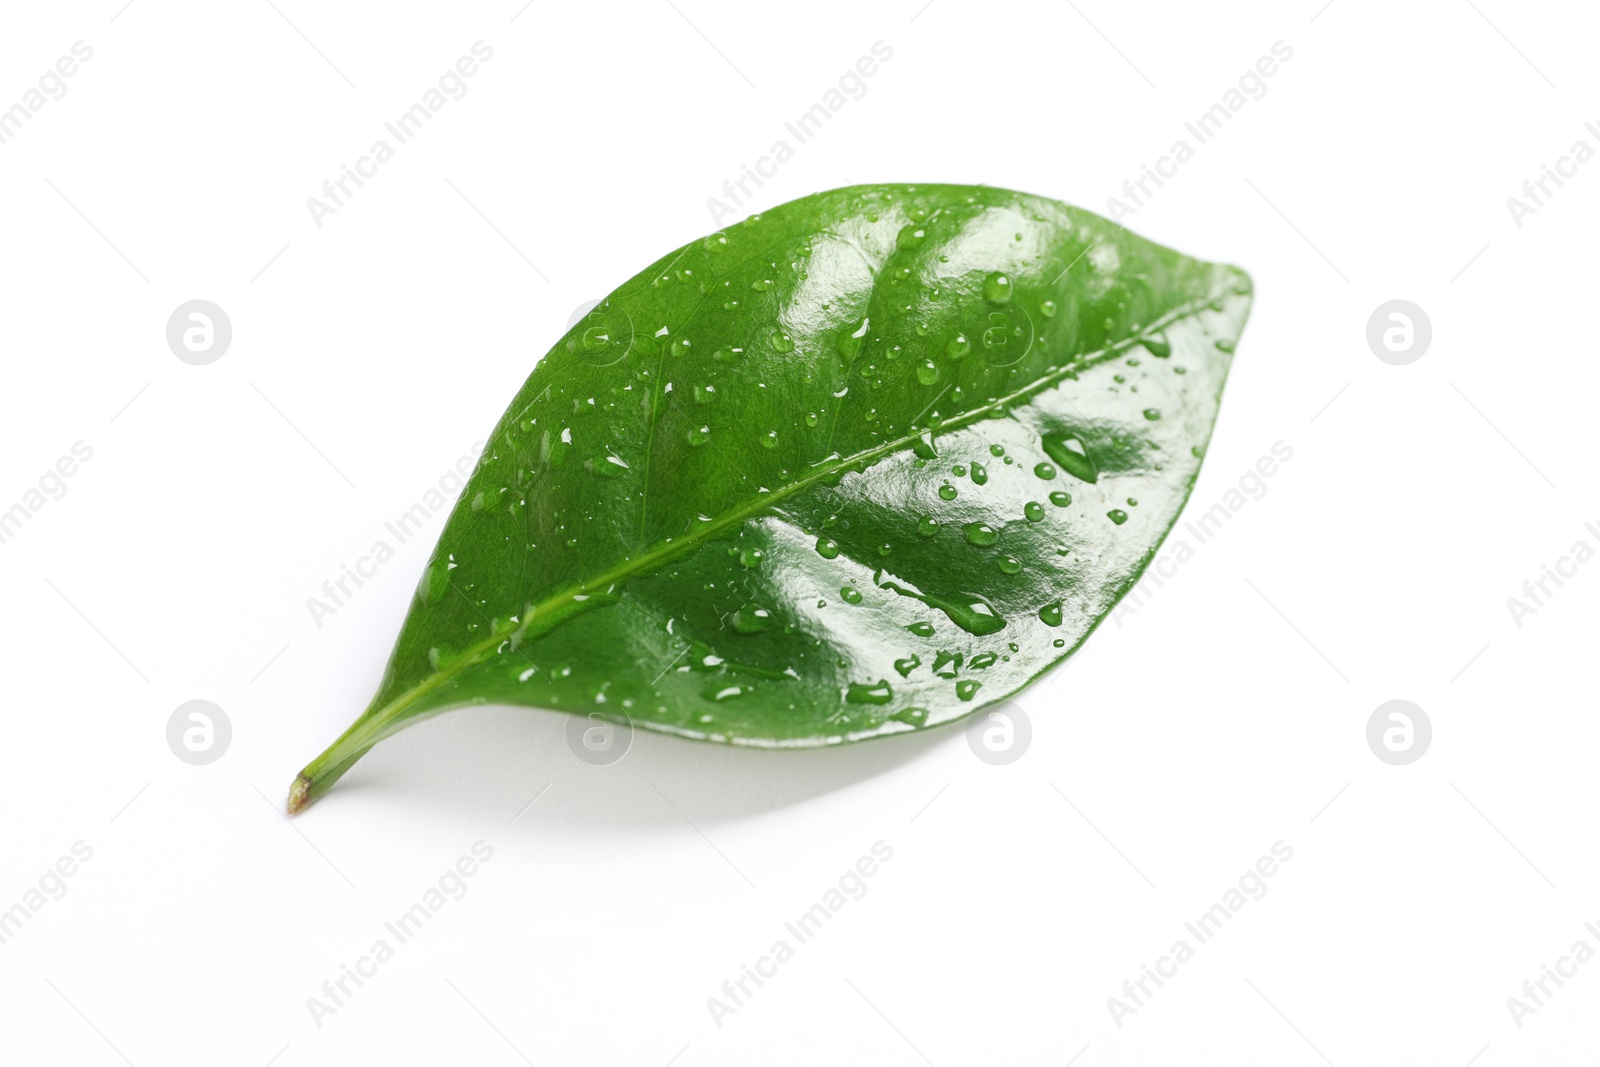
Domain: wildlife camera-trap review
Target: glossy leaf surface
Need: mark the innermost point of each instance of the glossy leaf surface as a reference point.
(860, 465)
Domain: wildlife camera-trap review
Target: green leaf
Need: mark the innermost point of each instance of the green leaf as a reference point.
(859, 465)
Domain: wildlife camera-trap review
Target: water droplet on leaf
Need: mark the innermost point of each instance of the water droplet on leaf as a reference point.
(864, 693)
(751, 620)
(1071, 454)
(972, 613)
(980, 533)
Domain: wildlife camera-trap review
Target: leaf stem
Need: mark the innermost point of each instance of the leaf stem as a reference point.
(318, 776)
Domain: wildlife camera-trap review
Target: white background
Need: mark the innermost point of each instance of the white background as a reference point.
(1225, 715)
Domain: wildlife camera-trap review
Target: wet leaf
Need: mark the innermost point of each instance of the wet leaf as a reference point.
(860, 465)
